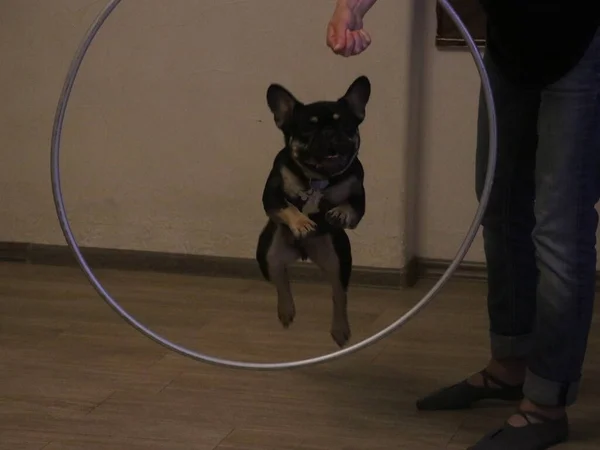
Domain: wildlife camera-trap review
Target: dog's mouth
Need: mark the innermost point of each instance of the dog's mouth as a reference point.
(325, 155)
(329, 164)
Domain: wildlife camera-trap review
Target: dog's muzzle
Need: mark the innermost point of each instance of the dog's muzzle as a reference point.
(332, 153)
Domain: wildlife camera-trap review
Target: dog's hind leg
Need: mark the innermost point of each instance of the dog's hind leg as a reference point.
(333, 254)
(274, 253)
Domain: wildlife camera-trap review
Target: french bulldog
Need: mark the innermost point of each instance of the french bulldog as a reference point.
(313, 193)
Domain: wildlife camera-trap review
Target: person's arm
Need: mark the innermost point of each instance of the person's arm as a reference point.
(345, 33)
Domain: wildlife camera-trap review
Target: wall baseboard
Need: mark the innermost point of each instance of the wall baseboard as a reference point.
(217, 266)
(435, 268)
(476, 271)
(228, 267)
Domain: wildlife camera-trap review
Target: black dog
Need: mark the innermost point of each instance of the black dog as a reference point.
(313, 193)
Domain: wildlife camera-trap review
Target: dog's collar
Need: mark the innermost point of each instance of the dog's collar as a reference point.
(318, 185)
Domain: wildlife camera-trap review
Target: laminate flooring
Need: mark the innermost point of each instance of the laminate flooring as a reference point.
(75, 376)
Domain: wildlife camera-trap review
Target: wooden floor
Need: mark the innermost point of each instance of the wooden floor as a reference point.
(74, 376)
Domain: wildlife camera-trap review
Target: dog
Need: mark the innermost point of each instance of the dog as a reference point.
(313, 193)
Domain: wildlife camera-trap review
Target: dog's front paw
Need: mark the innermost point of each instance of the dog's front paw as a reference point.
(343, 216)
(302, 226)
(340, 332)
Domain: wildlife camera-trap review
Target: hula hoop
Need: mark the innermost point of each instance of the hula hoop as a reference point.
(74, 247)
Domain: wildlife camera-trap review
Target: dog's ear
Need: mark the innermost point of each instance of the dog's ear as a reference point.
(281, 103)
(357, 96)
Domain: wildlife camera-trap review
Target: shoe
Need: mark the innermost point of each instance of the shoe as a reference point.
(462, 395)
(534, 436)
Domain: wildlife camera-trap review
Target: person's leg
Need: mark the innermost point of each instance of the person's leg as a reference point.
(507, 225)
(506, 229)
(567, 190)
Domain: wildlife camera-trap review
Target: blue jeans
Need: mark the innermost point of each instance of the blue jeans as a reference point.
(539, 229)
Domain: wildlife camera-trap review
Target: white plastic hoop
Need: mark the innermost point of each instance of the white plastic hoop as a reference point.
(72, 243)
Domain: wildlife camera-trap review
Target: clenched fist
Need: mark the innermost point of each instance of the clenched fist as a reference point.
(345, 33)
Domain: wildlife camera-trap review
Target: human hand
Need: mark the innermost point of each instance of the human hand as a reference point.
(345, 33)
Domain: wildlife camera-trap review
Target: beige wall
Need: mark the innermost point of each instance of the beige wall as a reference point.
(447, 202)
(168, 138)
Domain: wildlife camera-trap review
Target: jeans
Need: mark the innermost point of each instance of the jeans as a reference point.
(539, 229)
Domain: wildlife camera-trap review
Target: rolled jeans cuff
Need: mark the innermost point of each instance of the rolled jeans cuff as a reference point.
(548, 393)
(511, 346)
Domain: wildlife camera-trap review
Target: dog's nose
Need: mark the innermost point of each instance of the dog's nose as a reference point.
(328, 133)
(333, 138)
(332, 148)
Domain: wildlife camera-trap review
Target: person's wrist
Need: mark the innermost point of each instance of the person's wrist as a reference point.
(359, 7)
(352, 5)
